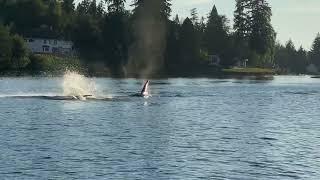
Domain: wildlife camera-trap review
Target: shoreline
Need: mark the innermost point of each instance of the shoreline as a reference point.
(213, 76)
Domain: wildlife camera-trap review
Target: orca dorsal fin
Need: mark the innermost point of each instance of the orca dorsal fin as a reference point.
(144, 90)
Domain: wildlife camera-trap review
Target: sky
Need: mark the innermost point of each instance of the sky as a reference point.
(298, 20)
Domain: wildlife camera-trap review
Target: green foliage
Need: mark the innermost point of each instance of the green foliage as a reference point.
(300, 61)
(116, 41)
(253, 31)
(216, 34)
(315, 51)
(5, 48)
(262, 37)
(87, 30)
(159, 9)
(194, 16)
(172, 45)
(145, 37)
(19, 59)
(54, 17)
(249, 71)
(242, 20)
(13, 51)
(289, 60)
(68, 6)
(54, 64)
(189, 43)
(116, 5)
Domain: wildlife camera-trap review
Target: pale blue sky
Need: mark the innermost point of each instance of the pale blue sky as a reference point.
(295, 19)
(298, 20)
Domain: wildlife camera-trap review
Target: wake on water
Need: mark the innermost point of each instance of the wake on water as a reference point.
(75, 87)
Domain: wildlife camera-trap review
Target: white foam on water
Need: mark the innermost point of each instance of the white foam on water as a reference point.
(25, 95)
(75, 84)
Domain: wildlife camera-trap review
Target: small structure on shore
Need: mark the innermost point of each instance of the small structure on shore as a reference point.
(50, 46)
(241, 63)
(312, 69)
(214, 60)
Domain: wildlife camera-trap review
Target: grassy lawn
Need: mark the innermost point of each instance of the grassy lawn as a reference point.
(249, 71)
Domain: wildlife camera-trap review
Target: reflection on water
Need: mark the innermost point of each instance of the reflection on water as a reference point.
(188, 129)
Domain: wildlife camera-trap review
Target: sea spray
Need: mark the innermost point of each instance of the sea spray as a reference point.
(75, 84)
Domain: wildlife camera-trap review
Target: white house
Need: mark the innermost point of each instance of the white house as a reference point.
(50, 46)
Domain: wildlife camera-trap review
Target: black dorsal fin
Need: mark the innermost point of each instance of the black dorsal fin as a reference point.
(144, 89)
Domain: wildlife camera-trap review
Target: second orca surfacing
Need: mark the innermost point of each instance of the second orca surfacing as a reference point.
(144, 92)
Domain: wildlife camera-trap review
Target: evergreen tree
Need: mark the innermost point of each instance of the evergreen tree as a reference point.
(54, 17)
(242, 29)
(5, 48)
(242, 19)
(83, 7)
(176, 20)
(202, 25)
(172, 46)
(150, 19)
(289, 60)
(116, 5)
(194, 16)
(216, 36)
(254, 32)
(27, 15)
(19, 58)
(281, 57)
(116, 37)
(92, 9)
(4, 11)
(262, 36)
(165, 9)
(300, 62)
(285, 56)
(68, 6)
(87, 31)
(100, 10)
(189, 44)
(291, 51)
(315, 51)
(155, 8)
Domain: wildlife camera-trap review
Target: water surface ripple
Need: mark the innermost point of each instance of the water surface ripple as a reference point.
(189, 129)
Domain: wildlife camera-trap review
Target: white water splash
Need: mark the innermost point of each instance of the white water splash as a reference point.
(75, 84)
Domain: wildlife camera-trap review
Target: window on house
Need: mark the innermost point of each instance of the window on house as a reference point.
(44, 41)
(31, 40)
(45, 48)
(55, 42)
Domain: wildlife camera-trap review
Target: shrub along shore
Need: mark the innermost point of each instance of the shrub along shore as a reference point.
(50, 65)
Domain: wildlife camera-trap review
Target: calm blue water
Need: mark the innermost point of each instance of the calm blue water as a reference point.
(189, 129)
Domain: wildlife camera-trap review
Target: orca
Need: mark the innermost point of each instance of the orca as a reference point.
(81, 97)
(144, 92)
(145, 89)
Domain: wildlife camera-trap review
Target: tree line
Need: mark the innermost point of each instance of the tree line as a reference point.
(146, 39)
